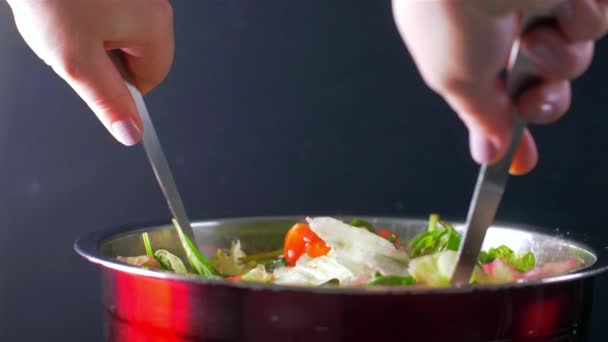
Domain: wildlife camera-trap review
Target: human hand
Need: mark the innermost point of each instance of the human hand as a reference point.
(73, 37)
(461, 46)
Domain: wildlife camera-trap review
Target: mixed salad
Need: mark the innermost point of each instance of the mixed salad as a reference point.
(324, 251)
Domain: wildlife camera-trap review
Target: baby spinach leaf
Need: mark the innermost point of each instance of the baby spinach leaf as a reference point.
(197, 260)
(392, 281)
(170, 262)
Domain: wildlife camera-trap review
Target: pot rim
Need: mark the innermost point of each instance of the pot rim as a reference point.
(89, 245)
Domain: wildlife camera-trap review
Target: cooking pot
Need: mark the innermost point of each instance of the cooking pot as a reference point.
(146, 305)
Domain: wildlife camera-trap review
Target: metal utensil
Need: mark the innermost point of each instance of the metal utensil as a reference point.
(155, 154)
(160, 165)
(492, 179)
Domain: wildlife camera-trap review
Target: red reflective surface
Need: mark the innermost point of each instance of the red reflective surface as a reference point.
(140, 308)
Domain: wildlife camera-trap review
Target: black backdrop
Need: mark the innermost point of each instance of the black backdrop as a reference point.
(272, 108)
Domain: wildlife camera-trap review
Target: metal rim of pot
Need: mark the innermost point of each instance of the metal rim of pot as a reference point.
(88, 246)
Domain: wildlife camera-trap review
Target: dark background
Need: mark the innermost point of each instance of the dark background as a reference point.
(272, 107)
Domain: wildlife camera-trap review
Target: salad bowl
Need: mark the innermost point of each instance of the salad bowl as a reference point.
(148, 305)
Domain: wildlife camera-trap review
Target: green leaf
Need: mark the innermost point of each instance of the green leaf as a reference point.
(440, 237)
(147, 244)
(362, 224)
(197, 260)
(274, 264)
(170, 262)
(392, 281)
(433, 269)
(521, 262)
(262, 256)
(484, 257)
(450, 237)
(500, 252)
(258, 275)
(230, 263)
(433, 222)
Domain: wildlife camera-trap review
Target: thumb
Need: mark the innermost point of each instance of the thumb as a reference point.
(95, 78)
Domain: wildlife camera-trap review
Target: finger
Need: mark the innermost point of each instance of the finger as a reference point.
(146, 37)
(91, 73)
(526, 156)
(487, 113)
(583, 20)
(469, 80)
(502, 7)
(554, 55)
(545, 103)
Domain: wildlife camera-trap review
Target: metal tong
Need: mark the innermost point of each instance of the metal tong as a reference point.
(155, 154)
(492, 179)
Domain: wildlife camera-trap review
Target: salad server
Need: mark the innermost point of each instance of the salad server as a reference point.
(492, 179)
(155, 154)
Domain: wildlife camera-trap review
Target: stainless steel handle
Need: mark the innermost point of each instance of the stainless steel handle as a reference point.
(155, 153)
(492, 179)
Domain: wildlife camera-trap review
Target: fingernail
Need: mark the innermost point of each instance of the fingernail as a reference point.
(483, 150)
(546, 110)
(126, 131)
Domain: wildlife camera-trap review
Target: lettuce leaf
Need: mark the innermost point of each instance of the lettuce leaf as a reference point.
(499, 271)
(496, 272)
(228, 263)
(315, 272)
(359, 250)
(522, 262)
(434, 269)
(257, 274)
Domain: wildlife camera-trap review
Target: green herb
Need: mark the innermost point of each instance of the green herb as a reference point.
(439, 237)
(169, 261)
(433, 219)
(451, 237)
(363, 224)
(147, 244)
(521, 262)
(262, 256)
(274, 264)
(392, 238)
(332, 283)
(197, 260)
(392, 281)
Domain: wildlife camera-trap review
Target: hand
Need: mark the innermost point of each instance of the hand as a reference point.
(73, 37)
(460, 47)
